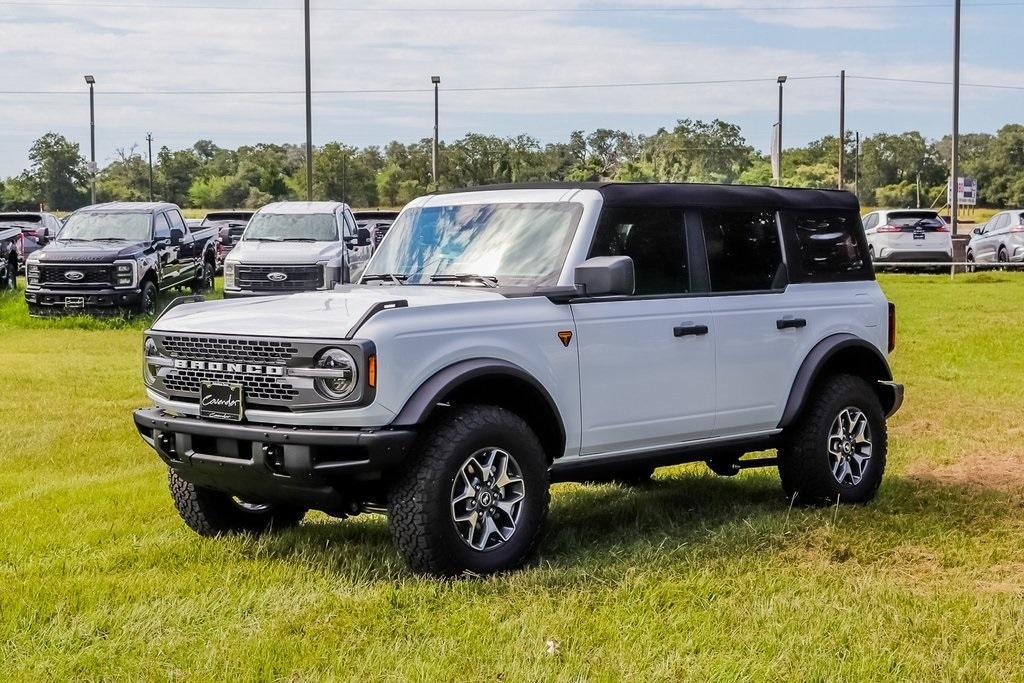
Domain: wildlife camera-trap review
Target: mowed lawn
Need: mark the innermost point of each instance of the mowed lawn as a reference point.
(695, 577)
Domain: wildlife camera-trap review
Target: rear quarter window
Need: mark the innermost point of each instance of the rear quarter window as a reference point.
(826, 246)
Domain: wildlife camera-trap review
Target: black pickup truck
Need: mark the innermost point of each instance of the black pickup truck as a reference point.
(115, 257)
(11, 245)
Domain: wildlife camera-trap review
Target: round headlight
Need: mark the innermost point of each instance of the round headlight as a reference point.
(149, 350)
(340, 374)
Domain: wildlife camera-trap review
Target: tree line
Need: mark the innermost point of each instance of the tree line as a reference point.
(889, 170)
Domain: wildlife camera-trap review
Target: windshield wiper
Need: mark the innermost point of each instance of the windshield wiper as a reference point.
(397, 278)
(486, 280)
(260, 239)
(298, 239)
(110, 239)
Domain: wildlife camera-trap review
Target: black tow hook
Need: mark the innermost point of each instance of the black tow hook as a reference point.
(273, 455)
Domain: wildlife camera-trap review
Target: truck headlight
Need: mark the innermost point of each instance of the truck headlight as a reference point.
(32, 273)
(149, 370)
(229, 275)
(336, 374)
(124, 274)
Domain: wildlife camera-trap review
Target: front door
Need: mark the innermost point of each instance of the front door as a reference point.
(647, 362)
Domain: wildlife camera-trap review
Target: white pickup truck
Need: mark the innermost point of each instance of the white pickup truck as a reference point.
(296, 247)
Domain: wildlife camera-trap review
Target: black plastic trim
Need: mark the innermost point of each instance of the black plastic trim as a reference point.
(815, 361)
(374, 310)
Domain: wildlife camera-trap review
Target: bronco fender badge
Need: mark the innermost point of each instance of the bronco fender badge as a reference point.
(565, 337)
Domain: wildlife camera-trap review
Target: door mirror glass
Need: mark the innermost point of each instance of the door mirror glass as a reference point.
(606, 276)
(979, 230)
(225, 237)
(176, 236)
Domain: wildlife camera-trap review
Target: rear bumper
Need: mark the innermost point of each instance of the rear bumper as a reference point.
(916, 255)
(310, 468)
(44, 301)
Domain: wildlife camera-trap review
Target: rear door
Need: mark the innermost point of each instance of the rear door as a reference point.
(995, 235)
(647, 361)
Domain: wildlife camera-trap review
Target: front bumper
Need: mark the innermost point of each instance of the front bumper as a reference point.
(894, 394)
(42, 301)
(313, 468)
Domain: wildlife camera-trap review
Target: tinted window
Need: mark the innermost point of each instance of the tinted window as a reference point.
(870, 221)
(1001, 221)
(826, 243)
(654, 239)
(175, 219)
(161, 230)
(743, 248)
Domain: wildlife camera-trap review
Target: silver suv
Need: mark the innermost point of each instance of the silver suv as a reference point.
(1001, 240)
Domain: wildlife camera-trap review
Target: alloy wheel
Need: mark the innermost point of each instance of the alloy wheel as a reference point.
(487, 499)
(849, 446)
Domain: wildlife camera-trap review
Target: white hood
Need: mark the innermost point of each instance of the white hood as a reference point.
(248, 252)
(326, 315)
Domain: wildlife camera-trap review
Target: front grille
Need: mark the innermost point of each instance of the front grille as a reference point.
(93, 275)
(229, 349)
(257, 388)
(380, 234)
(299, 278)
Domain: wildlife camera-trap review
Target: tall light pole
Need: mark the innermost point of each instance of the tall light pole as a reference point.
(91, 80)
(149, 139)
(309, 115)
(842, 124)
(778, 140)
(954, 194)
(436, 80)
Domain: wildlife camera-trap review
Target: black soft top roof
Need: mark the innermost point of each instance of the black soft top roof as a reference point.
(698, 195)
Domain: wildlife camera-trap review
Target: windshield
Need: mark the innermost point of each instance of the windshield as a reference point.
(132, 227)
(283, 227)
(519, 244)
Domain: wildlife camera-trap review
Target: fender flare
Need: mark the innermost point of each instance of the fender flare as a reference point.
(421, 404)
(816, 359)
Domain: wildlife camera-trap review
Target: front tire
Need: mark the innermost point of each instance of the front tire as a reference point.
(476, 497)
(213, 513)
(971, 268)
(10, 279)
(837, 449)
(147, 299)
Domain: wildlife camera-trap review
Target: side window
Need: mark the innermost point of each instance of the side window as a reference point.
(654, 239)
(1001, 221)
(870, 221)
(744, 254)
(175, 220)
(826, 244)
(161, 229)
(350, 225)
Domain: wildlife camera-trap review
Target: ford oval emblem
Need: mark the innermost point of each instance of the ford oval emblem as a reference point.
(277, 277)
(74, 275)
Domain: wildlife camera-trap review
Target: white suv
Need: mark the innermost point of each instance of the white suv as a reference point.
(292, 247)
(908, 235)
(505, 338)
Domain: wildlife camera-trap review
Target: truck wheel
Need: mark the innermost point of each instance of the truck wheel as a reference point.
(10, 279)
(837, 449)
(204, 281)
(147, 301)
(212, 513)
(476, 496)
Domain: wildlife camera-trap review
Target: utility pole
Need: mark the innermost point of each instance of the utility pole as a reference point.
(309, 115)
(91, 80)
(842, 124)
(436, 80)
(954, 194)
(782, 82)
(149, 139)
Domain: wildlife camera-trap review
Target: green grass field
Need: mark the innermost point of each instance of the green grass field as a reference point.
(695, 577)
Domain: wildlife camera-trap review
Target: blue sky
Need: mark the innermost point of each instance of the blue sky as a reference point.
(188, 45)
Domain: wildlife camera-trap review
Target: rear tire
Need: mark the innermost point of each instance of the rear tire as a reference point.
(970, 262)
(476, 496)
(10, 279)
(837, 449)
(213, 513)
(204, 281)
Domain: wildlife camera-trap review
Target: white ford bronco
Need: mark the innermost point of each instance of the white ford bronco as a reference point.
(508, 337)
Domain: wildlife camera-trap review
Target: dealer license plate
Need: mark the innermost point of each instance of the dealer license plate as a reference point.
(221, 401)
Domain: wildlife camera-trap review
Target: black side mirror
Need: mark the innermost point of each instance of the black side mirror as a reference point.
(363, 237)
(176, 236)
(43, 237)
(225, 237)
(606, 276)
(977, 231)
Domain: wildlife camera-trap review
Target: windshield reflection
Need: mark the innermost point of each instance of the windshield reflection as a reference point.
(519, 244)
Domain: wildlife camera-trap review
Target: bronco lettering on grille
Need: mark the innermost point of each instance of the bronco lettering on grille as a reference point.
(239, 368)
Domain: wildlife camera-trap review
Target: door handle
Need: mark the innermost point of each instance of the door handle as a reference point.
(689, 330)
(795, 323)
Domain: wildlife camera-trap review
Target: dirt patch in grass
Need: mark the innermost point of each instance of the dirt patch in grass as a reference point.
(997, 471)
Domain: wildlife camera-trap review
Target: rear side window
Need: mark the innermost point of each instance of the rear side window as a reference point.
(826, 244)
(654, 239)
(744, 254)
(175, 219)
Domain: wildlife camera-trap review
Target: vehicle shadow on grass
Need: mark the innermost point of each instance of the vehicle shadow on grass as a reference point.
(597, 528)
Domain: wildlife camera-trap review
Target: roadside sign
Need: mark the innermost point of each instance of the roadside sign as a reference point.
(967, 192)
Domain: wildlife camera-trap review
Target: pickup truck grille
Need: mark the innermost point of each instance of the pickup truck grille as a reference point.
(256, 388)
(298, 278)
(229, 349)
(91, 275)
